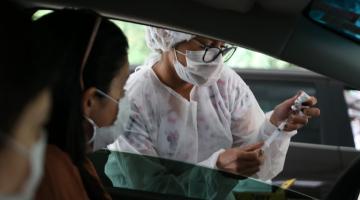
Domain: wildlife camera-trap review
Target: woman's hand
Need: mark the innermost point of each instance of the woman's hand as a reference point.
(245, 161)
(295, 120)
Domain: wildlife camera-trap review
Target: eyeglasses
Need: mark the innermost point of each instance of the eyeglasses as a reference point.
(212, 53)
(20, 148)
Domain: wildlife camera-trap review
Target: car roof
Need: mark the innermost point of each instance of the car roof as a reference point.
(274, 27)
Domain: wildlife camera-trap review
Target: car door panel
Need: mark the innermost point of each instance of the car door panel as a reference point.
(315, 167)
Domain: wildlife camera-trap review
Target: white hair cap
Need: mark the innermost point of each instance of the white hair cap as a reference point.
(161, 40)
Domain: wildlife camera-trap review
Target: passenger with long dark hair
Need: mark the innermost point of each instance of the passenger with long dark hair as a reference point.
(92, 53)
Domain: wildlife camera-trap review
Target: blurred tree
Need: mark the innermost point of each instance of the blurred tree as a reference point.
(135, 33)
(243, 58)
(138, 51)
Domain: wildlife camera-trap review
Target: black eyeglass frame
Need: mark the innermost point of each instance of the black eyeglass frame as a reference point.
(223, 51)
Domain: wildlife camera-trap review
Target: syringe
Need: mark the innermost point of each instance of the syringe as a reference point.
(296, 107)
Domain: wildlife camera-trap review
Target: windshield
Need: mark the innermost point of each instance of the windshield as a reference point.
(342, 16)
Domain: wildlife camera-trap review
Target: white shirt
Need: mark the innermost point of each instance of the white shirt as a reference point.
(221, 116)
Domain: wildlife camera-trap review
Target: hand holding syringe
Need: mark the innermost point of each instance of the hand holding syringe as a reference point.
(296, 108)
(246, 160)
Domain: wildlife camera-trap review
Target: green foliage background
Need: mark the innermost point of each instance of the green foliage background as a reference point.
(138, 51)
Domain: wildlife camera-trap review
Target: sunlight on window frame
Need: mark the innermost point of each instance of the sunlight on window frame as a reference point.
(40, 13)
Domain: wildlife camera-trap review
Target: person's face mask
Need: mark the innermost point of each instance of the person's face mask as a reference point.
(35, 155)
(103, 136)
(197, 72)
(92, 122)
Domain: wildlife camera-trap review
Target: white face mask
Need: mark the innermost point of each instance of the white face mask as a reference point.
(92, 122)
(35, 155)
(102, 136)
(197, 72)
(107, 135)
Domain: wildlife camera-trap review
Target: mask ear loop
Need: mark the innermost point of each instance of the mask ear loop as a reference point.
(82, 67)
(107, 96)
(175, 54)
(94, 129)
(15, 145)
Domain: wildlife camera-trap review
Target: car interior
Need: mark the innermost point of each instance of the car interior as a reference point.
(285, 30)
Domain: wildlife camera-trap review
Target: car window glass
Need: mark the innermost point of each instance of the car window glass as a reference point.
(352, 98)
(157, 178)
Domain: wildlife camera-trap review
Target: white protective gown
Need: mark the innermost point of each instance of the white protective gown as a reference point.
(224, 115)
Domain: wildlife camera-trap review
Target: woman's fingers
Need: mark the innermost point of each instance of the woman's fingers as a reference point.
(252, 147)
(312, 112)
(311, 102)
(298, 119)
(242, 160)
